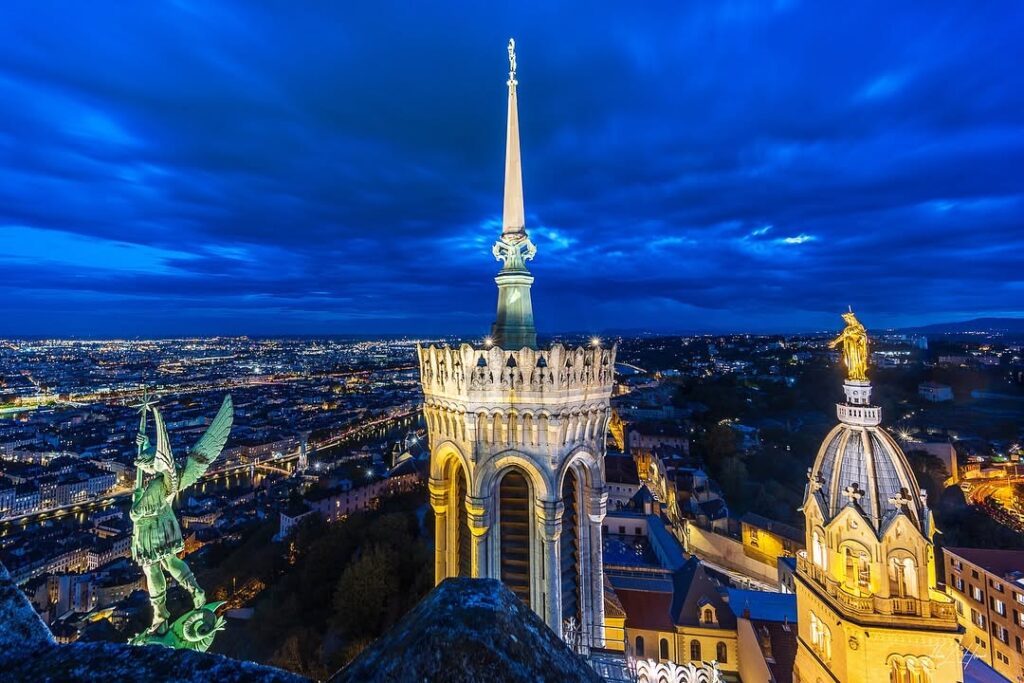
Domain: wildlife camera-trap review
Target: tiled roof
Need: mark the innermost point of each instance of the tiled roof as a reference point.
(647, 609)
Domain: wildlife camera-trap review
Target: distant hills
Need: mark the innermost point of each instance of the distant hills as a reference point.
(1010, 325)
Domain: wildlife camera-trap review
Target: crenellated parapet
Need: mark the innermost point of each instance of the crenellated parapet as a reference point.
(487, 400)
(479, 375)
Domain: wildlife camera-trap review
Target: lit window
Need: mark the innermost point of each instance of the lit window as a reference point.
(821, 638)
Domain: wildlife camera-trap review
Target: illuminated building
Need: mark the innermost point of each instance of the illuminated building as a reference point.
(868, 605)
(517, 436)
(988, 587)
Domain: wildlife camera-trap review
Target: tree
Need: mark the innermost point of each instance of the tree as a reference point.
(367, 595)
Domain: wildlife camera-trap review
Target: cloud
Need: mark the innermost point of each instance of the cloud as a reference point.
(230, 167)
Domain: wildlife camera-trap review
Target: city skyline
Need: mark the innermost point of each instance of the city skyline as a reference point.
(218, 169)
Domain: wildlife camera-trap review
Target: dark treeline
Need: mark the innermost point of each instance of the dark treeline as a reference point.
(345, 584)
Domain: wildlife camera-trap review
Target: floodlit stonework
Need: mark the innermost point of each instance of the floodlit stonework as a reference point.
(517, 443)
(866, 585)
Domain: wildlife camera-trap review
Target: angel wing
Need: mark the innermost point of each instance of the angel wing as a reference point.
(164, 457)
(209, 446)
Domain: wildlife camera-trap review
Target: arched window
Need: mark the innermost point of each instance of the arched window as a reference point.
(902, 577)
(639, 646)
(707, 616)
(722, 653)
(818, 550)
(569, 551)
(514, 519)
(821, 637)
(695, 651)
(857, 574)
(460, 518)
(663, 648)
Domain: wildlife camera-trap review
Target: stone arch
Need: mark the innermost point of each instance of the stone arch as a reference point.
(440, 460)
(490, 472)
(580, 456)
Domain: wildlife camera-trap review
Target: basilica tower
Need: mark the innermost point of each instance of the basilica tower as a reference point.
(866, 590)
(517, 442)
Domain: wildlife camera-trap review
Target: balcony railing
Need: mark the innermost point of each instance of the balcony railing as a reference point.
(868, 606)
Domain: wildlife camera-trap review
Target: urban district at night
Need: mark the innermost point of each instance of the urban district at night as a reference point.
(672, 343)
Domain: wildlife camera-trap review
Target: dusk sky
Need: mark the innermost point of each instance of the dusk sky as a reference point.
(321, 168)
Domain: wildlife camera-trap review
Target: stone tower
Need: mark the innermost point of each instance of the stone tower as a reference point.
(866, 590)
(517, 442)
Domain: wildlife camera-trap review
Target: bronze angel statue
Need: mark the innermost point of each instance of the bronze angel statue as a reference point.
(157, 538)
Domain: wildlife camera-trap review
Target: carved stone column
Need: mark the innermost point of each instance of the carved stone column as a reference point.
(549, 523)
(597, 508)
(479, 513)
(439, 503)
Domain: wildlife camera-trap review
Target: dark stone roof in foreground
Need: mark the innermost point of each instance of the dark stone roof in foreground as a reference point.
(29, 653)
(468, 630)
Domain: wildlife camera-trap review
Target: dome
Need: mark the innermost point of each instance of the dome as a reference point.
(860, 463)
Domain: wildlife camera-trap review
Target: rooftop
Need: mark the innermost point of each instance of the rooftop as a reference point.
(1003, 563)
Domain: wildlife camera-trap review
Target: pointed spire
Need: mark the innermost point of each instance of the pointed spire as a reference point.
(513, 328)
(513, 218)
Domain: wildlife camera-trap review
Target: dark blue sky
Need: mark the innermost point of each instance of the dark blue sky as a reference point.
(279, 167)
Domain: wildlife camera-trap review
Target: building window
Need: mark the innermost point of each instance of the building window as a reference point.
(821, 638)
(722, 653)
(818, 550)
(977, 594)
(663, 648)
(707, 616)
(1000, 607)
(695, 651)
(858, 570)
(639, 646)
(958, 583)
(903, 577)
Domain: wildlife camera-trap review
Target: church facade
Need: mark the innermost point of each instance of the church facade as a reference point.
(517, 442)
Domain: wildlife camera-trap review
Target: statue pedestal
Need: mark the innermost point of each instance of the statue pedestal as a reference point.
(194, 630)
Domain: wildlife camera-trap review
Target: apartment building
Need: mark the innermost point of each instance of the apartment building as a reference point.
(988, 588)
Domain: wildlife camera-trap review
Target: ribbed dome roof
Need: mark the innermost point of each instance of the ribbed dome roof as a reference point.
(865, 466)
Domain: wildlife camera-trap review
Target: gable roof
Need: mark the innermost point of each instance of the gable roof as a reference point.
(692, 589)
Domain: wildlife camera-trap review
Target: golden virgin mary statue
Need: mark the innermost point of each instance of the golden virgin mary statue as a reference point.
(854, 339)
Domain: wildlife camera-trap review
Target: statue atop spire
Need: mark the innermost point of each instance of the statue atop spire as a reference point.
(511, 61)
(513, 327)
